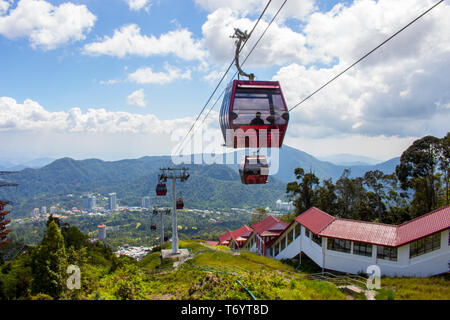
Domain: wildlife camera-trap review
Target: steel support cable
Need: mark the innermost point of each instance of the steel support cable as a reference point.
(366, 55)
(223, 77)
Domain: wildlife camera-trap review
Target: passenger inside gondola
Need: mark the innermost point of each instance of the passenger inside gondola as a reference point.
(257, 121)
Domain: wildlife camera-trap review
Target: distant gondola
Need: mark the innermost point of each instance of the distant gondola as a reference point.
(161, 189)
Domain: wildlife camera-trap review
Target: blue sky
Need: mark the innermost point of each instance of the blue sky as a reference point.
(84, 78)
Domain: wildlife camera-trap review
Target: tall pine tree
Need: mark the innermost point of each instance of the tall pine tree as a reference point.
(49, 262)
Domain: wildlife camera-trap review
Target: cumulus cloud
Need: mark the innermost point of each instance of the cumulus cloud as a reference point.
(4, 5)
(147, 75)
(31, 116)
(45, 25)
(280, 44)
(137, 98)
(399, 91)
(128, 40)
(136, 5)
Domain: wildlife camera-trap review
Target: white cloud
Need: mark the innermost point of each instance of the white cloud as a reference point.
(279, 45)
(399, 91)
(137, 98)
(30, 115)
(128, 40)
(136, 5)
(4, 5)
(45, 25)
(146, 75)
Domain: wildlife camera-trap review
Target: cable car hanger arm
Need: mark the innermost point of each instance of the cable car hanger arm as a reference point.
(242, 37)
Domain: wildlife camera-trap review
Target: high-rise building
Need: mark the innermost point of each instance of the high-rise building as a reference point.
(146, 202)
(44, 210)
(112, 201)
(101, 231)
(89, 202)
(52, 210)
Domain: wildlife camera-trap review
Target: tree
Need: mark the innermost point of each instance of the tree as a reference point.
(258, 215)
(418, 170)
(49, 263)
(304, 190)
(445, 163)
(376, 181)
(326, 197)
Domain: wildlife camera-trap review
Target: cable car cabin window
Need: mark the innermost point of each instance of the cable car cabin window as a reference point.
(247, 102)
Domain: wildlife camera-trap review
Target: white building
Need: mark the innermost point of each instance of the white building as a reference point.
(35, 212)
(44, 210)
(417, 248)
(52, 210)
(146, 203)
(112, 201)
(101, 231)
(284, 206)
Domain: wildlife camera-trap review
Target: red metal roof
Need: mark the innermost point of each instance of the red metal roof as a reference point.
(384, 234)
(423, 226)
(225, 237)
(269, 224)
(100, 225)
(368, 232)
(315, 219)
(243, 231)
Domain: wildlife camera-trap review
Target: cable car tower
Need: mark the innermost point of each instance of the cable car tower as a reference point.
(174, 174)
(3, 213)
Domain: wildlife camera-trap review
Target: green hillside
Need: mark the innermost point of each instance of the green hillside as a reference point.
(65, 180)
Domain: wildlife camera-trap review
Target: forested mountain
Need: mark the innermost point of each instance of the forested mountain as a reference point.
(210, 186)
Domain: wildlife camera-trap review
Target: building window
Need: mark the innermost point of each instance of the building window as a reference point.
(298, 231)
(316, 239)
(425, 245)
(271, 252)
(339, 245)
(387, 253)
(290, 237)
(283, 244)
(362, 249)
(277, 250)
(307, 232)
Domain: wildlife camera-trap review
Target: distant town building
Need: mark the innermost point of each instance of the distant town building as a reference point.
(112, 201)
(52, 210)
(89, 202)
(44, 210)
(35, 212)
(101, 231)
(146, 202)
(284, 206)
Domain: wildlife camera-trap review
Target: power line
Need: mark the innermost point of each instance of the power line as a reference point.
(366, 55)
(223, 77)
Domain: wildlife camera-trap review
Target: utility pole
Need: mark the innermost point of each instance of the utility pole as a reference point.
(174, 174)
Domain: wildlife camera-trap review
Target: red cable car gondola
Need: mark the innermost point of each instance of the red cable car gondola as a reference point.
(254, 170)
(254, 114)
(180, 204)
(161, 189)
(153, 227)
